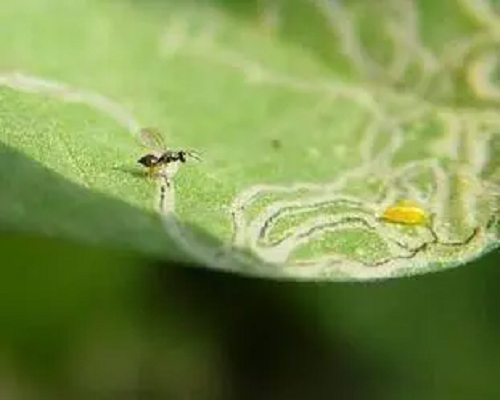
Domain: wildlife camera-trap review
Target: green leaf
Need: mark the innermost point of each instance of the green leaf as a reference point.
(312, 118)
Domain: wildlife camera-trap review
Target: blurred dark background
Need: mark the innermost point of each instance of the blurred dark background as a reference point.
(83, 323)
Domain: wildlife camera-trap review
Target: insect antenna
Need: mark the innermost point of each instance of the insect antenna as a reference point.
(194, 154)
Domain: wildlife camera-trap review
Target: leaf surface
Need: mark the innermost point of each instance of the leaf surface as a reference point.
(312, 118)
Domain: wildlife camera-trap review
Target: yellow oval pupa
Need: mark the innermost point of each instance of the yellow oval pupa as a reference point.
(406, 212)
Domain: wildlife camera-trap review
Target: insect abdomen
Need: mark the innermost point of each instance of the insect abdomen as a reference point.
(149, 160)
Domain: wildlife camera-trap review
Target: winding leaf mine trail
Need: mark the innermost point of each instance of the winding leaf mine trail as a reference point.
(298, 230)
(255, 234)
(457, 192)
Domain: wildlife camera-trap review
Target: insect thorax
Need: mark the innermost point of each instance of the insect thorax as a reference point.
(171, 156)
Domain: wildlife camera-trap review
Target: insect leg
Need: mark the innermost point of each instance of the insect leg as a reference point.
(152, 171)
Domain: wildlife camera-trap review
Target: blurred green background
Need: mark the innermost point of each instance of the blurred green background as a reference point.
(83, 323)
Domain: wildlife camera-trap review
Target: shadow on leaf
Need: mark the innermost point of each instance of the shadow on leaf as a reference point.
(35, 199)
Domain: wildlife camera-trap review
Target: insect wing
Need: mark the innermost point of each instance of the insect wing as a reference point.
(152, 138)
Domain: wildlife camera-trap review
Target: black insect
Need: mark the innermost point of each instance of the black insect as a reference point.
(155, 162)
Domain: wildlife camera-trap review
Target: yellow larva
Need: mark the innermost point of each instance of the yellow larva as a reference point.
(406, 212)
